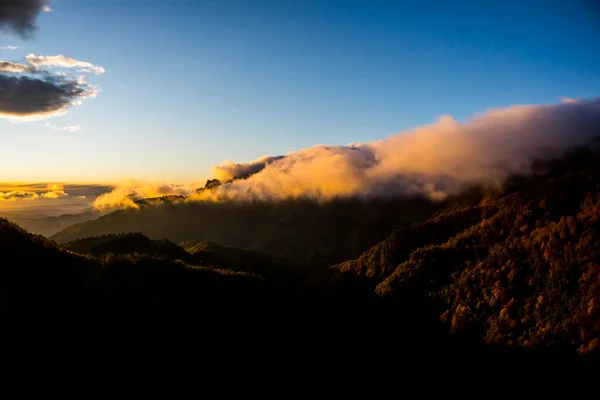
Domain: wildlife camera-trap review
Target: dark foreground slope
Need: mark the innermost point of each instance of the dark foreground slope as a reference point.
(143, 326)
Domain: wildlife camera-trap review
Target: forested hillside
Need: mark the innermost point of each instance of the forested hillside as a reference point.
(519, 270)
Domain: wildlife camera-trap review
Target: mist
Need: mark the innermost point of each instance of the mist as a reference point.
(126, 194)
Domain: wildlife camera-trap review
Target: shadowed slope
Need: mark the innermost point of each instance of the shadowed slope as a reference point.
(129, 243)
(310, 233)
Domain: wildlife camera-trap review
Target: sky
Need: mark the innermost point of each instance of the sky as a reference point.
(187, 84)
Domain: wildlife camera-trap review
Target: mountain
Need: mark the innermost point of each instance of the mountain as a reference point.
(195, 254)
(309, 233)
(130, 243)
(218, 256)
(490, 289)
(520, 270)
(48, 225)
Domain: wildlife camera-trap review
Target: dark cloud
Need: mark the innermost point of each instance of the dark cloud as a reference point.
(32, 98)
(19, 16)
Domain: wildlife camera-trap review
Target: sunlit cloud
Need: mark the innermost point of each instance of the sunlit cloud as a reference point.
(18, 195)
(55, 194)
(52, 191)
(568, 100)
(9, 48)
(126, 194)
(63, 62)
(48, 9)
(14, 67)
(435, 160)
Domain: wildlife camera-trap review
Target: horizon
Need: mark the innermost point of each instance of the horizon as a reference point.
(161, 102)
(167, 97)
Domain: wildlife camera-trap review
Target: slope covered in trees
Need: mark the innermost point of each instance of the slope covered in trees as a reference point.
(129, 243)
(215, 255)
(519, 270)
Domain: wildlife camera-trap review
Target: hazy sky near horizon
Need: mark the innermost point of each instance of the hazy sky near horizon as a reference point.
(190, 83)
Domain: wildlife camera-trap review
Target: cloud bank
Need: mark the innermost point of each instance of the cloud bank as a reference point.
(51, 193)
(435, 160)
(55, 194)
(18, 16)
(41, 89)
(18, 195)
(126, 194)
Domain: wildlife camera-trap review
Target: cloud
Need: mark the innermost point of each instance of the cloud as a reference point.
(18, 16)
(63, 194)
(568, 100)
(126, 194)
(18, 195)
(229, 170)
(38, 91)
(55, 194)
(66, 128)
(434, 160)
(63, 62)
(14, 67)
(54, 191)
(48, 9)
(24, 98)
(9, 48)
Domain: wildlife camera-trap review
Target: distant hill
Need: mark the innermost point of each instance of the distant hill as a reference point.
(130, 243)
(215, 255)
(46, 225)
(205, 254)
(305, 231)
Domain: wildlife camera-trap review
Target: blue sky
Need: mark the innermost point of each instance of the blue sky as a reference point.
(191, 83)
